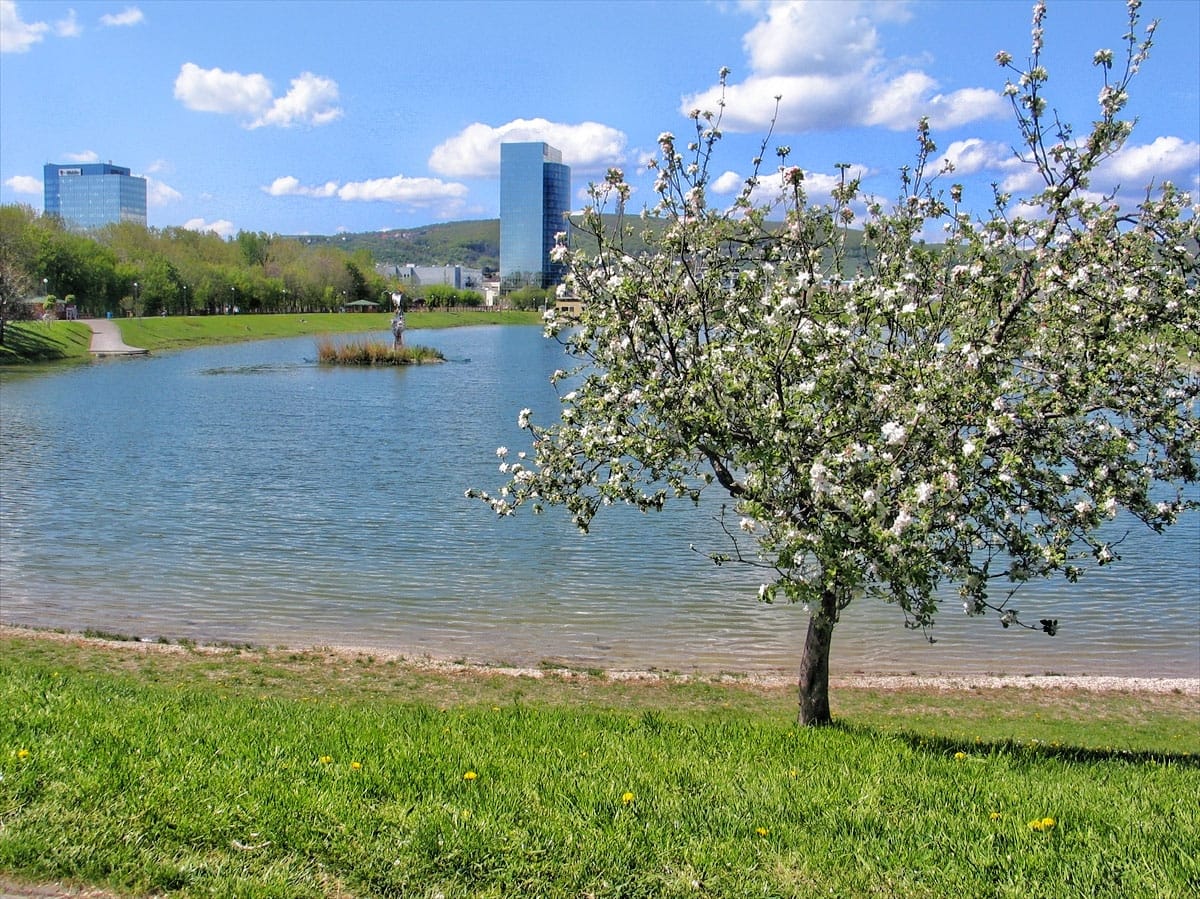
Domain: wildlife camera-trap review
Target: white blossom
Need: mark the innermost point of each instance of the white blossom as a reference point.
(893, 432)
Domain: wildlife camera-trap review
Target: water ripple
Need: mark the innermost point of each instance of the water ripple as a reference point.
(307, 504)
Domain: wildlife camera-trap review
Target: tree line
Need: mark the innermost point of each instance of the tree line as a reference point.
(128, 269)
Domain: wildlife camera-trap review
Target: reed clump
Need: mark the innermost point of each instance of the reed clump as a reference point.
(374, 352)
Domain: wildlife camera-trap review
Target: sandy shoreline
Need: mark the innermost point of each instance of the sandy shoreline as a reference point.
(946, 682)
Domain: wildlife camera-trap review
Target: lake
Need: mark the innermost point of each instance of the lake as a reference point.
(243, 493)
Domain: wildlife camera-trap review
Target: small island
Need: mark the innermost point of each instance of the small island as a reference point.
(366, 352)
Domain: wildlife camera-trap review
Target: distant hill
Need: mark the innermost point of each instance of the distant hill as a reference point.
(474, 244)
(469, 244)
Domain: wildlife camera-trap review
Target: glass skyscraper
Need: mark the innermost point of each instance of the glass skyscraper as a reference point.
(535, 197)
(91, 195)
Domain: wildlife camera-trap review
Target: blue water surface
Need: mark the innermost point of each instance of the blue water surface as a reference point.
(244, 493)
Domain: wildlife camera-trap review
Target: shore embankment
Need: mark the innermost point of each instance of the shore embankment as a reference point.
(944, 682)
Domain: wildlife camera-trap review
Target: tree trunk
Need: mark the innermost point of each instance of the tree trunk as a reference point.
(814, 666)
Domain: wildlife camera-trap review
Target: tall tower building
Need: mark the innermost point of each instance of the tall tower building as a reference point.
(535, 197)
(90, 195)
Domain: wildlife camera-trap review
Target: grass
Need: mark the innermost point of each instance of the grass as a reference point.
(151, 770)
(178, 332)
(31, 341)
(26, 342)
(373, 352)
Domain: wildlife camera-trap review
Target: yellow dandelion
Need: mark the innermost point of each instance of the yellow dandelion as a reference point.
(22, 754)
(470, 775)
(1042, 824)
(325, 759)
(959, 756)
(761, 831)
(1047, 823)
(995, 816)
(626, 798)
(356, 766)
(792, 774)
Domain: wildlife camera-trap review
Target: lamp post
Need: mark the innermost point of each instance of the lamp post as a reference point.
(133, 311)
(187, 310)
(233, 302)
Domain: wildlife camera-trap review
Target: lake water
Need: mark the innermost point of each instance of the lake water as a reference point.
(243, 493)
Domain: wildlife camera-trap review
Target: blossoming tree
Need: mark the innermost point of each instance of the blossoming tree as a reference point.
(967, 412)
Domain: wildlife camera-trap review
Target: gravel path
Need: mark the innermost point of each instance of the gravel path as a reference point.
(106, 339)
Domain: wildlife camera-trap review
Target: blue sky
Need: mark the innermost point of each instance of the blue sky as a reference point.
(319, 117)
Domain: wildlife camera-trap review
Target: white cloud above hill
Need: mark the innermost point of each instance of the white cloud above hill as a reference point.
(475, 151)
(824, 63)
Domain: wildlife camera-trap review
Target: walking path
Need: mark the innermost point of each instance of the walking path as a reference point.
(106, 339)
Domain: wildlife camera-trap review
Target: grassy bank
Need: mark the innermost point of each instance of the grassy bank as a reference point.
(197, 330)
(65, 341)
(26, 342)
(255, 773)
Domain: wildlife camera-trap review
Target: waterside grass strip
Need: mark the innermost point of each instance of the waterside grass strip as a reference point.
(274, 773)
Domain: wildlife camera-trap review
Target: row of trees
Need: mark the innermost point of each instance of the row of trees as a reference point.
(129, 269)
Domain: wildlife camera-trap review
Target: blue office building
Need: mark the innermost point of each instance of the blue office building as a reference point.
(535, 197)
(91, 195)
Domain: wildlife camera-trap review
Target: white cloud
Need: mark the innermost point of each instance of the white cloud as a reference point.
(311, 100)
(16, 35)
(1023, 180)
(288, 186)
(399, 189)
(475, 151)
(1166, 158)
(25, 184)
(811, 38)
(900, 102)
(1130, 170)
(420, 192)
(215, 90)
(68, 26)
(818, 186)
(974, 155)
(130, 15)
(222, 227)
(160, 194)
(728, 183)
(824, 62)
(82, 156)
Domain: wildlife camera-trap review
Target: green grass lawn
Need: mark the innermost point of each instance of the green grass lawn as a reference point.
(175, 332)
(273, 773)
(26, 342)
(68, 341)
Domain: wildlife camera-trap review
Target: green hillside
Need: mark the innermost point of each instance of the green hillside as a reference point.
(473, 244)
